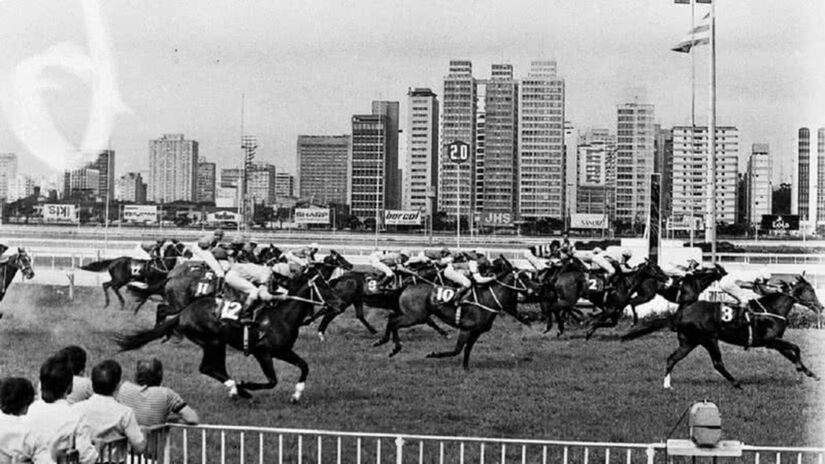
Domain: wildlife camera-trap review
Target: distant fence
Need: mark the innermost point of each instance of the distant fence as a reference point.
(258, 445)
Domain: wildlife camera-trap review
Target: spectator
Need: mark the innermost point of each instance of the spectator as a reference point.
(81, 386)
(154, 404)
(108, 419)
(57, 424)
(18, 443)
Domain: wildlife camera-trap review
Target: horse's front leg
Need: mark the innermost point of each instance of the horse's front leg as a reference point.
(290, 357)
(265, 361)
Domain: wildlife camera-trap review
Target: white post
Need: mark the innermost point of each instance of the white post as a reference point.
(458, 209)
(712, 133)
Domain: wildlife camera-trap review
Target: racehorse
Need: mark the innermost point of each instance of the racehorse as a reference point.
(273, 335)
(8, 269)
(269, 254)
(473, 316)
(684, 290)
(762, 323)
(125, 269)
(559, 292)
(352, 288)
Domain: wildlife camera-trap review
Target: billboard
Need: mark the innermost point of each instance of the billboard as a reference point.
(780, 222)
(393, 217)
(140, 214)
(496, 219)
(588, 221)
(312, 216)
(60, 213)
(224, 216)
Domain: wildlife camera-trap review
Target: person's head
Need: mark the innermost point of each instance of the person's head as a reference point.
(205, 242)
(16, 395)
(218, 234)
(106, 377)
(313, 247)
(149, 372)
(445, 252)
(597, 251)
(764, 275)
(627, 254)
(405, 254)
(55, 379)
(219, 254)
(76, 356)
(238, 241)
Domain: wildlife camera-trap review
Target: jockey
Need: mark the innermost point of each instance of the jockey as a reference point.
(678, 270)
(252, 280)
(217, 238)
(620, 262)
(387, 261)
(202, 251)
(462, 269)
(567, 248)
(537, 258)
(732, 284)
(242, 250)
(302, 256)
(596, 257)
(432, 255)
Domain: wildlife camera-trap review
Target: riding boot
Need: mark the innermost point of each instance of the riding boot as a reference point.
(459, 294)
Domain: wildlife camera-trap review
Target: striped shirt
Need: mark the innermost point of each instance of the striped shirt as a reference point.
(152, 405)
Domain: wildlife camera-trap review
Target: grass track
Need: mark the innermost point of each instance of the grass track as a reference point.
(521, 383)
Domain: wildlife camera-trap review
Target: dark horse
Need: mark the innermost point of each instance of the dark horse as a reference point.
(125, 269)
(8, 269)
(273, 335)
(762, 323)
(684, 290)
(473, 317)
(352, 288)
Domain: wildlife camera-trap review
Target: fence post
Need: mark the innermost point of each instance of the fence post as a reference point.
(651, 452)
(399, 450)
(70, 275)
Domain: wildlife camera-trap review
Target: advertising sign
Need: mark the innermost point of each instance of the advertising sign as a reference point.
(223, 216)
(496, 219)
(588, 221)
(60, 213)
(780, 222)
(394, 217)
(312, 216)
(141, 214)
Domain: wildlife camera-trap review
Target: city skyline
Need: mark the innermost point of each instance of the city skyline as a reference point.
(188, 76)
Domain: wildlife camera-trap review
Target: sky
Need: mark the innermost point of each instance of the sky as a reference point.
(79, 74)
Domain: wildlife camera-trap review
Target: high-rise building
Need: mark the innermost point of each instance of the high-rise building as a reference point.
(393, 196)
(500, 142)
(691, 174)
(81, 184)
(105, 165)
(130, 188)
(481, 124)
(820, 176)
(284, 185)
(231, 177)
(803, 179)
(206, 182)
(21, 186)
(663, 164)
(173, 169)
(456, 189)
(571, 155)
(369, 168)
(323, 164)
(541, 158)
(8, 171)
(421, 175)
(634, 160)
(261, 178)
(759, 189)
(593, 190)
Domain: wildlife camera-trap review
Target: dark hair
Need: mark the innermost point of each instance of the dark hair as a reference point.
(55, 379)
(76, 356)
(149, 372)
(16, 394)
(106, 377)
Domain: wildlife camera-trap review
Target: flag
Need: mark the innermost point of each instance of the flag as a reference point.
(700, 35)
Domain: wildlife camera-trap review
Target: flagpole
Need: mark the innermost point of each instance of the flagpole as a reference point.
(692, 105)
(712, 133)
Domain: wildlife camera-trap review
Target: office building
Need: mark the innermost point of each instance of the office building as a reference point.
(456, 189)
(261, 179)
(231, 177)
(323, 166)
(691, 173)
(284, 185)
(541, 156)
(130, 188)
(663, 164)
(369, 172)
(500, 141)
(421, 174)
(21, 186)
(81, 184)
(173, 169)
(105, 166)
(803, 179)
(571, 156)
(759, 188)
(820, 176)
(481, 124)
(206, 182)
(635, 136)
(394, 193)
(8, 172)
(594, 192)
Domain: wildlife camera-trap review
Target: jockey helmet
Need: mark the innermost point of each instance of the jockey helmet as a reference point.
(405, 253)
(626, 253)
(597, 251)
(764, 274)
(218, 234)
(147, 246)
(282, 269)
(238, 240)
(313, 246)
(480, 253)
(205, 242)
(445, 252)
(219, 253)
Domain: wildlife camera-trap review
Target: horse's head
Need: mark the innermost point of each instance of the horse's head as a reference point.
(176, 248)
(268, 255)
(651, 269)
(24, 263)
(803, 293)
(337, 260)
(719, 270)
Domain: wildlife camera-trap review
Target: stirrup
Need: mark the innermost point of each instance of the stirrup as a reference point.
(246, 340)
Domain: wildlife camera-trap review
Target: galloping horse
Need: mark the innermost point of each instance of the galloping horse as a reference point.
(125, 269)
(8, 268)
(684, 290)
(762, 323)
(473, 317)
(273, 335)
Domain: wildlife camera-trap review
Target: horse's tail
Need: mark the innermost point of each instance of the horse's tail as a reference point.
(97, 266)
(142, 337)
(651, 326)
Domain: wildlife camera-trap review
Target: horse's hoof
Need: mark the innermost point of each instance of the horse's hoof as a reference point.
(431, 355)
(321, 337)
(395, 351)
(243, 393)
(378, 343)
(737, 385)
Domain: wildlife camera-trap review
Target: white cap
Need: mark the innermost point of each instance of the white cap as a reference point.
(314, 245)
(764, 273)
(626, 252)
